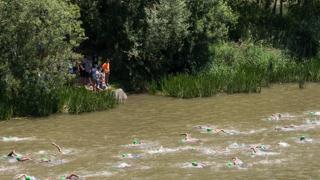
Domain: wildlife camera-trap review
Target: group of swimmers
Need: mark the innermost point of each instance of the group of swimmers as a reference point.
(255, 149)
(187, 138)
(22, 158)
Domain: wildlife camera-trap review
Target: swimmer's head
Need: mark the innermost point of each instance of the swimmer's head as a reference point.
(194, 163)
(186, 135)
(302, 138)
(136, 141)
(229, 164)
(262, 147)
(124, 155)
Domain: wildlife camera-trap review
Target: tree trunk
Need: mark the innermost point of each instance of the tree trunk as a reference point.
(275, 6)
(281, 8)
(267, 4)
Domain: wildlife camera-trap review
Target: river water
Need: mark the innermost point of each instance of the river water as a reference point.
(100, 145)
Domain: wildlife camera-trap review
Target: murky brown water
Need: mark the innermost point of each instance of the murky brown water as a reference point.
(93, 143)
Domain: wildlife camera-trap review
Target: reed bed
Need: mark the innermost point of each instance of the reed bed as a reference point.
(235, 69)
(79, 100)
(71, 100)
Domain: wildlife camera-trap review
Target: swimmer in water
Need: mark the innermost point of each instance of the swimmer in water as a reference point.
(18, 157)
(287, 127)
(237, 162)
(136, 141)
(207, 129)
(25, 177)
(199, 165)
(70, 177)
(275, 117)
(220, 130)
(258, 148)
(45, 160)
(254, 150)
(188, 138)
(303, 139)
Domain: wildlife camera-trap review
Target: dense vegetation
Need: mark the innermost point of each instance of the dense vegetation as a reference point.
(184, 48)
(150, 39)
(237, 69)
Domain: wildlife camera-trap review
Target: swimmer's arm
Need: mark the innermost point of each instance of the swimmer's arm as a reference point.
(57, 146)
(25, 158)
(72, 175)
(223, 131)
(12, 153)
(21, 176)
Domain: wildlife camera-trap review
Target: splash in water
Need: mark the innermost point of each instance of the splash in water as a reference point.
(16, 139)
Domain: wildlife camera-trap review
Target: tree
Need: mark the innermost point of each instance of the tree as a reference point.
(36, 41)
(210, 22)
(304, 30)
(158, 39)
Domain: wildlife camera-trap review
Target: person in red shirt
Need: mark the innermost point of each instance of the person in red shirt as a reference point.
(106, 70)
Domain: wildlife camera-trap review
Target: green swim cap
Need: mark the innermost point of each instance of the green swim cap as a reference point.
(229, 164)
(124, 155)
(28, 178)
(44, 159)
(63, 178)
(194, 163)
(302, 138)
(18, 158)
(136, 141)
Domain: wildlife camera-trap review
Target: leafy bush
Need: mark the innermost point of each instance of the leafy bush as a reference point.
(36, 41)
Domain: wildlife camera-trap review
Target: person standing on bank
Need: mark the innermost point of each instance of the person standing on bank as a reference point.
(106, 70)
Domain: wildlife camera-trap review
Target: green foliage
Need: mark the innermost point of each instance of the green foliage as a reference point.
(37, 96)
(36, 41)
(148, 39)
(242, 68)
(156, 43)
(289, 24)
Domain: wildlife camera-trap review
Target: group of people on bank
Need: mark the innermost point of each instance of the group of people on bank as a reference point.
(91, 73)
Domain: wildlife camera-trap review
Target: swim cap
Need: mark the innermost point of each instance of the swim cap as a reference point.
(28, 178)
(302, 138)
(124, 155)
(209, 129)
(63, 178)
(18, 158)
(229, 164)
(136, 141)
(194, 163)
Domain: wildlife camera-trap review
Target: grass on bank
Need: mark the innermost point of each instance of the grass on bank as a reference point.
(79, 100)
(239, 69)
(73, 100)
